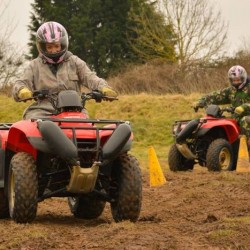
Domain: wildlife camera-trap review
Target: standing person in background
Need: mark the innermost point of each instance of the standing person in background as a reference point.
(55, 69)
(237, 94)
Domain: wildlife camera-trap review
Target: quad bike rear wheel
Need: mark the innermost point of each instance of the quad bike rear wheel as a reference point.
(220, 156)
(86, 207)
(4, 205)
(127, 189)
(23, 188)
(177, 162)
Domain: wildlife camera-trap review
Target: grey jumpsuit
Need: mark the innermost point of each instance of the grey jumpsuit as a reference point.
(71, 74)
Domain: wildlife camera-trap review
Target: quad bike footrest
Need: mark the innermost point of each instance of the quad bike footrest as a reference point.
(83, 180)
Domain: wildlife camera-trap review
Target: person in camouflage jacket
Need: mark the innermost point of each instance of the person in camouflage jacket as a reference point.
(55, 69)
(238, 95)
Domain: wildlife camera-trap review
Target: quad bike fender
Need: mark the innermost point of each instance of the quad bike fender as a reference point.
(19, 137)
(28, 136)
(231, 130)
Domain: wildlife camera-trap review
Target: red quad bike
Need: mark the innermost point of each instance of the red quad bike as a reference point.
(69, 155)
(211, 141)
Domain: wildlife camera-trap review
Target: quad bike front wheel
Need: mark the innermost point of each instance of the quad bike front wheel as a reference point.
(22, 188)
(126, 186)
(4, 206)
(220, 156)
(86, 207)
(177, 162)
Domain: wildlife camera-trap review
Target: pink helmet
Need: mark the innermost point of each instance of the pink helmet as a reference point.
(237, 72)
(51, 32)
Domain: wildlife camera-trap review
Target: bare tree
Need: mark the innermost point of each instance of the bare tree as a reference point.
(10, 62)
(10, 57)
(199, 30)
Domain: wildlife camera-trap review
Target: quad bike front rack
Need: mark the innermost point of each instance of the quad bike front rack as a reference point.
(85, 145)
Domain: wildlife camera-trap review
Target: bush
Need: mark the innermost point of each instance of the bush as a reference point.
(161, 78)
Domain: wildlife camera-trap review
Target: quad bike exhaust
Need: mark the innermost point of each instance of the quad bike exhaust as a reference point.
(185, 151)
(183, 135)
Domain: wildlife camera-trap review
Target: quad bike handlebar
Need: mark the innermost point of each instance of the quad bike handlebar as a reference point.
(217, 111)
(97, 96)
(52, 97)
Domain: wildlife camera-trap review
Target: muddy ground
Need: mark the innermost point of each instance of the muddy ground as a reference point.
(193, 210)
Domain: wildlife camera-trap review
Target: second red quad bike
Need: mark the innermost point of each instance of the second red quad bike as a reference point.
(69, 155)
(211, 141)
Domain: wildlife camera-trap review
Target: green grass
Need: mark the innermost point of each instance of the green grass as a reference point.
(243, 219)
(151, 117)
(11, 111)
(222, 233)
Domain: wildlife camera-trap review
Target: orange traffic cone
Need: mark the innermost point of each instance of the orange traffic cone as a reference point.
(157, 177)
(243, 164)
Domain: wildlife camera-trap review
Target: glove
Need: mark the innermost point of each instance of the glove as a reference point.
(239, 110)
(197, 105)
(109, 92)
(24, 93)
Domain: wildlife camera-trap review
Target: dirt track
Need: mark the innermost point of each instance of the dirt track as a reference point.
(193, 210)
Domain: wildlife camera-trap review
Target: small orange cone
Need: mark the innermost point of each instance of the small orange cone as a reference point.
(157, 177)
(243, 164)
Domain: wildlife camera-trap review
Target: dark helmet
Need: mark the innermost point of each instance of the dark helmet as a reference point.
(237, 76)
(52, 32)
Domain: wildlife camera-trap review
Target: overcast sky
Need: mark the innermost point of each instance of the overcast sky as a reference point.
(16, 12)
(236, 13)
